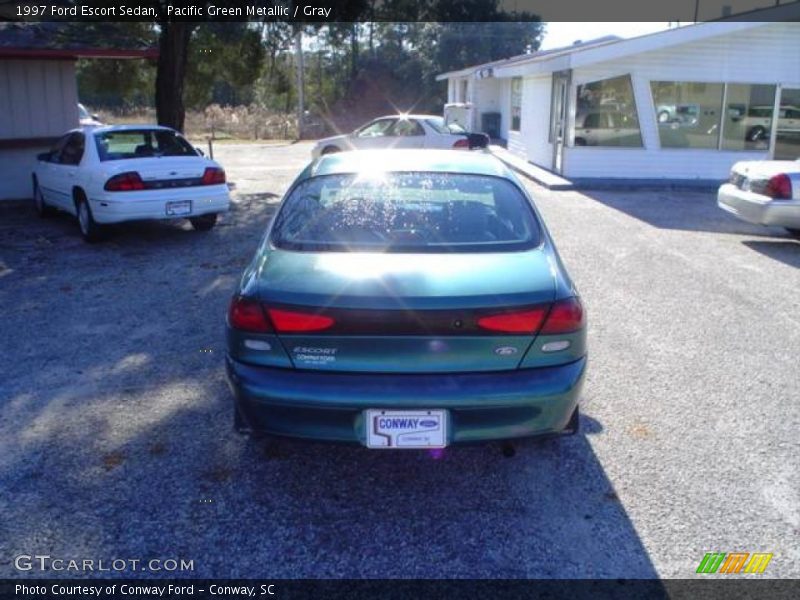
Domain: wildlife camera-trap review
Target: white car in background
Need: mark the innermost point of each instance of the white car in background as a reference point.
(764, 192)
(128, 172)
(402, 131)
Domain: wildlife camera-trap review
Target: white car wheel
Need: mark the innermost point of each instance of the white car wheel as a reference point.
(38, 202)
(83, 217)
(90, 229)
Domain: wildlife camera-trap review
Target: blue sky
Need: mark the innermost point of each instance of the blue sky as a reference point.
(564, 34)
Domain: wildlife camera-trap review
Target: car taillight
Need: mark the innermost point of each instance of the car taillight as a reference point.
(213, 176)
(124, 182)
(566, 316)
(292, 321)
(247, 315)
(462, 143)
(779, 187)
(525, 321)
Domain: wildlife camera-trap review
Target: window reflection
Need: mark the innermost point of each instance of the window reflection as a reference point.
(688, 113)
(787, 139)
(748, 117)
(606, 114)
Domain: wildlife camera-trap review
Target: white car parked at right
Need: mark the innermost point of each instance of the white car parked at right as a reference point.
(764, 192)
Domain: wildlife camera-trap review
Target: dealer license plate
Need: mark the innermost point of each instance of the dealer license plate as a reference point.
(180, 207)
(406, 428)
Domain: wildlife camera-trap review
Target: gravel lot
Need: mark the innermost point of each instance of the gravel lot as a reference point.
(115, 419)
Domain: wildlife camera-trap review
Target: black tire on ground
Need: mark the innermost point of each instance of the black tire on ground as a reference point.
(580, 141)
(204, 222)
(243, 427)
(574, 425)
(90, 229)
(663, 116)
(331, 150)
(240, 426)
(41, 207)
(795, 233)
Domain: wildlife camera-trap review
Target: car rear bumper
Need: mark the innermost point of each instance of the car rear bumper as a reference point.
(153, 204)
(481, 406)
(758, 209)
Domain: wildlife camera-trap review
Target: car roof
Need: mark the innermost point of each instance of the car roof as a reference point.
(110, 128)
(405, 116)
(434, 161)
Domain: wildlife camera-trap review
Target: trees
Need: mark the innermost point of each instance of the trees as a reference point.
(225, 59)
(351, 66)
(173, 46)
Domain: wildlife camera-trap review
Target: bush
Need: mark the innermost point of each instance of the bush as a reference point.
(251, 122)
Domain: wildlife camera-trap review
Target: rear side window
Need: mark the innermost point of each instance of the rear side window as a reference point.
(441, 126)
(72, 152)
(144, 143)
(406, 212)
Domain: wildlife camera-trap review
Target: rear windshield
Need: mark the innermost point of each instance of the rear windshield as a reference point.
(406, 212)
(141, 143)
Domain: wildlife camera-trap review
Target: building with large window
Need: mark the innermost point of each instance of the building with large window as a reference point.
(679, 105)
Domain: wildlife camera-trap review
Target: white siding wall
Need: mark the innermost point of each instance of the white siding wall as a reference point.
(487, 97)
(768, 54)
(38, 98)
(531, 142)
(536, 94)
(515, 139)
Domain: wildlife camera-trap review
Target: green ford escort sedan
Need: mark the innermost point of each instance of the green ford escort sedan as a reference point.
(406, 299)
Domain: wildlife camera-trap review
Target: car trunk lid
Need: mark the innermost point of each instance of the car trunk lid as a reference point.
(396, 312)
(164, 172)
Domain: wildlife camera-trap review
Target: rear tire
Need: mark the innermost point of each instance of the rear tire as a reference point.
(91, 230)
(795, 233)
(243, 427)
(240, 426)
(204, 222)
(574, 425)
(41, 207)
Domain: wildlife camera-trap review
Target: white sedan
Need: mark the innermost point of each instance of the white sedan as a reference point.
(128, 172)
(401, 131)
(764, 192)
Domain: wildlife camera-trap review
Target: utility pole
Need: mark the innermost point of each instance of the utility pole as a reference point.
(298, 51)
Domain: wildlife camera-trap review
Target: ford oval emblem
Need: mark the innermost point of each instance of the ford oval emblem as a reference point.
(428, 423)
(505, 350)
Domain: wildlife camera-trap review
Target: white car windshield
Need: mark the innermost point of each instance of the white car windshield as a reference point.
(141, 143)
(438, 123)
